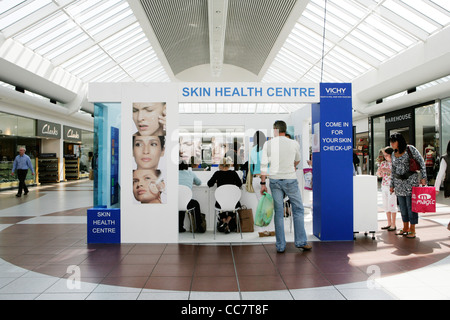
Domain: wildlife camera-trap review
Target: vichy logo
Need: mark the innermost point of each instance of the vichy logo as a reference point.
(335, 90)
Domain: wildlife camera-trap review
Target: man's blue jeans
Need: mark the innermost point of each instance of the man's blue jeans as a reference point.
(281, 188)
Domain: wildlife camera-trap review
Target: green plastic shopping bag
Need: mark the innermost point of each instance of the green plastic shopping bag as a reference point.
(264, 212)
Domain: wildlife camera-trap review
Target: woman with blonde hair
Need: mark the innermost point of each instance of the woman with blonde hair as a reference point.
(222, 177)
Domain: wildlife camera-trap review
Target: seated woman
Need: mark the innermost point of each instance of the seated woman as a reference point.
(227, 222)
(188, 178)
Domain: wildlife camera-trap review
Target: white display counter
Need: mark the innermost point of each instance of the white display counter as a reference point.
(365, 208)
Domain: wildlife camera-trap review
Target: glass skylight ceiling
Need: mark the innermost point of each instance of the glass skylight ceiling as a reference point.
(96, 41)
(360, 35)
(102, 41)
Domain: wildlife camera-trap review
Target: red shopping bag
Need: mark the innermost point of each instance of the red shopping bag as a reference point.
(423, 199)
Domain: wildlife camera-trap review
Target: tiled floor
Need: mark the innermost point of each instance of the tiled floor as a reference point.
(43, 251)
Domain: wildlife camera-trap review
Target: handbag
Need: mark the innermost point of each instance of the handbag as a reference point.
(423, 199)
(246, 219)
(413, 163)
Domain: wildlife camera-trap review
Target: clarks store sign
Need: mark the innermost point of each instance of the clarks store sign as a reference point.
(72, 134)
(48, 129)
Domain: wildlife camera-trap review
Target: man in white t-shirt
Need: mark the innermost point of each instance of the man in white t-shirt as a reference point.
(282, 155)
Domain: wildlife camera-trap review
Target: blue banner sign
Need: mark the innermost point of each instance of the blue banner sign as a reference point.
(333, 163)
(103, 225)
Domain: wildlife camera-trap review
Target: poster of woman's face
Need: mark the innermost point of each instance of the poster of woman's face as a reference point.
(190, 147)
(148, 150)
(150, 118)
(148, 186)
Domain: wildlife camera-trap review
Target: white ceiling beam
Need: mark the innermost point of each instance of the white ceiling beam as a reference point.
(217, 16)
(420, 64)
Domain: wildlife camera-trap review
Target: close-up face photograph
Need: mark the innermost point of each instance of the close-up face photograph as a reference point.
(190, 147)
(150, 118)
(147, 186)
(147, 151)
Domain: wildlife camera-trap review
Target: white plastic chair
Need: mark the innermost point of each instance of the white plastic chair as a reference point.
(228, 196)
(184, 196)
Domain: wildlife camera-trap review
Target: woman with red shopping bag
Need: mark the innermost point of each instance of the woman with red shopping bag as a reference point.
(406, 157)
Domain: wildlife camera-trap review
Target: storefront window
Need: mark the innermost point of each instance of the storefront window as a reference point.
(8, 124)
(16, 132)
(427, 138)
(362, 151)
(87, 151)
(445, 123)
(106, 182)
(379, 138)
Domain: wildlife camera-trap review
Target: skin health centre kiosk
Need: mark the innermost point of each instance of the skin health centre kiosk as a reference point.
(136, 196)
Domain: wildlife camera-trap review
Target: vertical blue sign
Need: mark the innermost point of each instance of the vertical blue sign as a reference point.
(103, 225)
(333, 163)
(114, 165)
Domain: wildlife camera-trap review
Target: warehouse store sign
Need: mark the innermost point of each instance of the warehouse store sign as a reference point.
(103, 225)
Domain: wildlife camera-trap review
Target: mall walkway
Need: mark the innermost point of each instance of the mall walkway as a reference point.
(43, 248)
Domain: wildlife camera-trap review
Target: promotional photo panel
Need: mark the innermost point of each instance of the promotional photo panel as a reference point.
(149, 139)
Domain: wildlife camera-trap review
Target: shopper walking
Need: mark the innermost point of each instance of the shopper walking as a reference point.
(21, 164)
(403, 180)
(283, 155)
(389, 199)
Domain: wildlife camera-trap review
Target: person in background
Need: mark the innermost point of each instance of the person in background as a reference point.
(21, 164)
(222, 177)
(259, 139)
(355, 161)
(444, 173)
(188, 178)
(403, 180)
(283, 156)
(389, 199)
